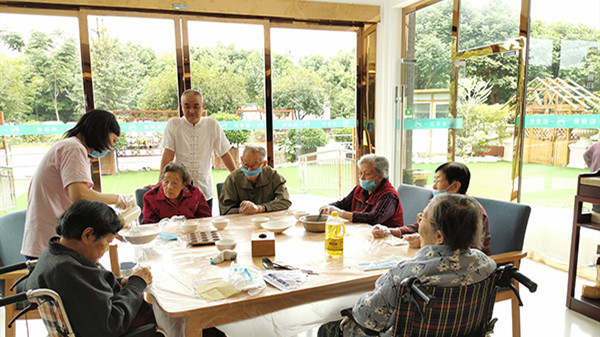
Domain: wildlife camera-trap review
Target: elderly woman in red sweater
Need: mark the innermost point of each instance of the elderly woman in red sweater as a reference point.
(375, 200)
(174, 196)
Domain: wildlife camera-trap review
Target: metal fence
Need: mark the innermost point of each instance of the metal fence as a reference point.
(7, 189)
(328, 170)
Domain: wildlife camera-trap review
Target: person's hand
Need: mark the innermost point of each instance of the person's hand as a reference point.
(328, 209)
(125, 201)
(248, 208)
(345, 321)
(380, 231)
(119, 237)
(144, 273)
(414, 240)
(152, 185)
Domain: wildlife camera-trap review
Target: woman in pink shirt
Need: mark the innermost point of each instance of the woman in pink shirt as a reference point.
(174, 196)
(64, 176)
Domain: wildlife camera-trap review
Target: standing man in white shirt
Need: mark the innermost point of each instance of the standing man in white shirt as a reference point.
(191, 140)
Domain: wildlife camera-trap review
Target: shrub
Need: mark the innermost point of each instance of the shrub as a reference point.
(235, 137)
(343, 135)
(486, 128)
(302, 139)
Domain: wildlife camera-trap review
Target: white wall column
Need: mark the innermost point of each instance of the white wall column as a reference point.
(389, 38)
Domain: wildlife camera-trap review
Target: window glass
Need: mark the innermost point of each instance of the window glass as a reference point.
(41, 94)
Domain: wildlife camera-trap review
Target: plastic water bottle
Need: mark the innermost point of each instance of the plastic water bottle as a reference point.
(334, 235)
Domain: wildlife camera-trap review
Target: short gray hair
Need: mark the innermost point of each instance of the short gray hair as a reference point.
(380, 164)
(256, 149)
(459, 219)
(177, 168)
(192, 92)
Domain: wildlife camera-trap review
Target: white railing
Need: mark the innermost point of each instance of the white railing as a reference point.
(7, 186)
(328, 170)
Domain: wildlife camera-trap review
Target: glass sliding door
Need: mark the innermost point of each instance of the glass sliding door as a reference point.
(562, 121)
(134, 75)
(486, 81)
(41, 93)
(314, 103)
(423, 115)
(227, 66)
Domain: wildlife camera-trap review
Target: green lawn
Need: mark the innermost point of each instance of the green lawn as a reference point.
(542, 185)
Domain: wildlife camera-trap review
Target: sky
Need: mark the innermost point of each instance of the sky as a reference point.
(159, 33)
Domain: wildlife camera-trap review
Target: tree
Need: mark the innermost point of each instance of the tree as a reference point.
(433, 63)
(160, 92)
(13, 40)
(575, 61)
(54, 73)
(472, 93)
(222, 91)
(479, 26)
(339, 83)
(432, 46)
(281, 64)
(118, 69)
(13, 90)
(299, 89)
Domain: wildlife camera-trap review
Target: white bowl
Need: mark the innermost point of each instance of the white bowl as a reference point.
(189, 226)
(220, 223)
(226, 244)
(259, 220)
(299, 214)
(144, 234)
(277, 226)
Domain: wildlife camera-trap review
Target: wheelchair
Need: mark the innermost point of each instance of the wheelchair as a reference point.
(51, 308)
(461, 311)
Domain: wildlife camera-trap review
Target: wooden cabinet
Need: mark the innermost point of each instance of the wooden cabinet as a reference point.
(588, 190)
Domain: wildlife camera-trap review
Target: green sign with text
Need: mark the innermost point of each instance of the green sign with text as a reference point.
(53, 129)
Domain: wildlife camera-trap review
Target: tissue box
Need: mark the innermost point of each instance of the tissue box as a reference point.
(263, 243)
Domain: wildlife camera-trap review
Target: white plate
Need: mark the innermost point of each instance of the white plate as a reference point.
(277, 226)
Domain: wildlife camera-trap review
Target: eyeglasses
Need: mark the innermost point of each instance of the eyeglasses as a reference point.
(251, 168)
(421, 217)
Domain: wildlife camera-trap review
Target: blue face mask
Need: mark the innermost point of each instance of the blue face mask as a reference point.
(368, 185)
(252, 173)
(438, 192)
(97, 154)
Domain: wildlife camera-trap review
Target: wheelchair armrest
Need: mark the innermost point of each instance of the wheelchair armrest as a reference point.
(509, 257)
(140, 331)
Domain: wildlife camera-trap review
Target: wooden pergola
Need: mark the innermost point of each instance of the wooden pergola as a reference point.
(556, 96)
(548, 96)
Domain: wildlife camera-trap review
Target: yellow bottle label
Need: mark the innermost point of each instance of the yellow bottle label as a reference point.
(334, 246)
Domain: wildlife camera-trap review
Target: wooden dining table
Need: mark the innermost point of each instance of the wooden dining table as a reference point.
(177, 267)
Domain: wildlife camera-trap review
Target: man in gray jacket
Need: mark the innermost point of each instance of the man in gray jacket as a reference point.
(255, 187)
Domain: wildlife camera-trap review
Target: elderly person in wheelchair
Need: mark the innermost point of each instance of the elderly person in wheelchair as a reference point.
(449, 225)
(96, 301)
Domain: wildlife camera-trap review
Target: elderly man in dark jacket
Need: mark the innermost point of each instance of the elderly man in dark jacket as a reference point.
(255, 187)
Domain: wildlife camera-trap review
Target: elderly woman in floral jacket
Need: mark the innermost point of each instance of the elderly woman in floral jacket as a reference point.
(450, 224)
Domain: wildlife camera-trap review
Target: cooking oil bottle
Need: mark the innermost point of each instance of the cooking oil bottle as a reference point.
(334, 235)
